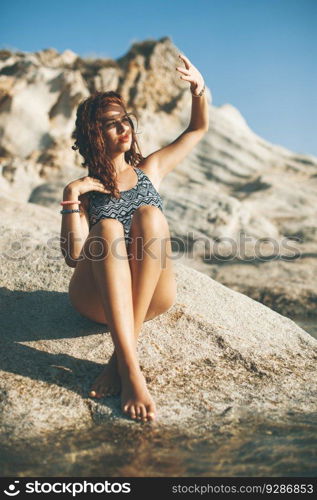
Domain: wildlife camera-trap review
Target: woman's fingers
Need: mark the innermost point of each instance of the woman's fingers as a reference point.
(188, 78)
(183, 70)
(186, 60)
(97, 182)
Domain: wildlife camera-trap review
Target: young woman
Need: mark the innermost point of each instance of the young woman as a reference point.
(115, 234)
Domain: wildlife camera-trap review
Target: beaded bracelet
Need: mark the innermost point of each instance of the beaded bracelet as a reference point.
(200, 93)
(69, 211)
(68, 202)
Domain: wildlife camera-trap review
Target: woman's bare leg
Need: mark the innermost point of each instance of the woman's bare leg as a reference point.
(148, 254)
(152, 271)
(111, 271)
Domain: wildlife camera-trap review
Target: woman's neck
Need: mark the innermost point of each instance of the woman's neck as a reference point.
(120, 164)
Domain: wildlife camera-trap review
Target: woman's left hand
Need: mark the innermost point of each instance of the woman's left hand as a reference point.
(191, 74)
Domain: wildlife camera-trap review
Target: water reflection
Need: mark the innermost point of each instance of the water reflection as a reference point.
(258, 448)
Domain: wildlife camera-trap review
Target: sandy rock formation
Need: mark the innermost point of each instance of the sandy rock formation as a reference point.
(214, 358)
(240, 209)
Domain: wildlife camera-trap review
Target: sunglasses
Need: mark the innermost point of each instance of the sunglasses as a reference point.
(126, 119)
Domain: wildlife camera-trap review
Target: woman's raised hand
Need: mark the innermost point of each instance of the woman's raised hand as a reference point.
(86, 184)
(191, 74)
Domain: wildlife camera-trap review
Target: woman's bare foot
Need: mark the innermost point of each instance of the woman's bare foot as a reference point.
(108, 383)
(136, 400)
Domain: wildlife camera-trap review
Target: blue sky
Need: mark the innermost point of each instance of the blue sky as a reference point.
(258, 55)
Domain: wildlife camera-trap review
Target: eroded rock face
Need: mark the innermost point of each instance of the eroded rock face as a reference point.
(241, 210)
(215, 357)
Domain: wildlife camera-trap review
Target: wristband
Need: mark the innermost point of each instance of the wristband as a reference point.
(200, 93)
(68, 202)
(69, 211)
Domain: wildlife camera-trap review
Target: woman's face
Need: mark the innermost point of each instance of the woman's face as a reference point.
(117, 127)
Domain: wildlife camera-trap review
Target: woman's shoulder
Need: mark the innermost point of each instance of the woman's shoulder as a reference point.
(147, 166)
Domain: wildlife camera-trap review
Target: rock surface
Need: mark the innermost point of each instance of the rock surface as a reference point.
(233, 186)
(215, 356)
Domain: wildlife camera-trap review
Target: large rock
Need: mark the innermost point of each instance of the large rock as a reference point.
(216, 356)
(242, 210)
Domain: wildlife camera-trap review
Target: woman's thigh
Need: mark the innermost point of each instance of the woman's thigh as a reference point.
(85, 297)
(83, 291)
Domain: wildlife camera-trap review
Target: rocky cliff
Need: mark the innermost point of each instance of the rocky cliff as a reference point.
(241, 210)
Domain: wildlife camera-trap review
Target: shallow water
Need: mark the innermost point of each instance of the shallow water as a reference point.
(263, 448)
(258, 447)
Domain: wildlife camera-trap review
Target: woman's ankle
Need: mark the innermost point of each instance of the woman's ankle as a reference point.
(128, 370)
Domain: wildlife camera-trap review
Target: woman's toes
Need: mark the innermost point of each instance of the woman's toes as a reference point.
(138, 412)
(151, 413)
(96, 393)
(132, 412)
(143, 413)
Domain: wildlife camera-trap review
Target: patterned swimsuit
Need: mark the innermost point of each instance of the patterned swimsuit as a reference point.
(104, 205)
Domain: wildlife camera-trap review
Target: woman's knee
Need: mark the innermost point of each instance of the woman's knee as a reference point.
(151, 217)
(104, 235)
(107, 226)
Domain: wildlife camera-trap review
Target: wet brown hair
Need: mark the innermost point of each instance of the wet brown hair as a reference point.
(91, 142)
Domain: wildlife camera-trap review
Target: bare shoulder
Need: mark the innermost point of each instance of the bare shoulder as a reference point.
(149, 166)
